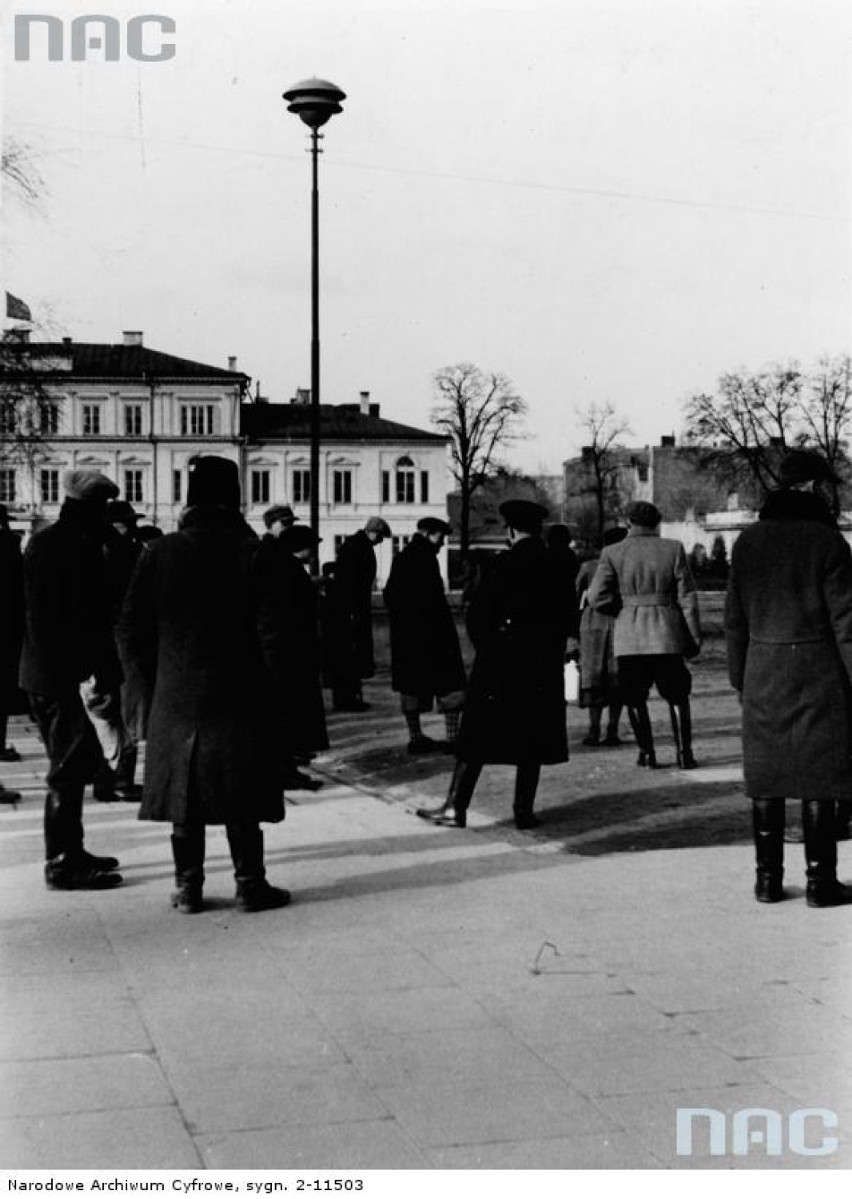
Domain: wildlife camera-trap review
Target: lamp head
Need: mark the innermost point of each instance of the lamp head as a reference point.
(314, 101)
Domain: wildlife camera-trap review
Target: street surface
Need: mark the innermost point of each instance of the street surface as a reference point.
(433, 998)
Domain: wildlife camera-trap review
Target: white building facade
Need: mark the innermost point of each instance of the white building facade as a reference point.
(139, 416)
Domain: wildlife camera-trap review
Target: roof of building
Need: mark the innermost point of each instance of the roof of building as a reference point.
(96, 360)
(338, 422)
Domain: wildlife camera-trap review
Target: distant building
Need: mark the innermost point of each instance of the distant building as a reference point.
(140, 415)
(698, 504)
(369, 466)
(136, 414)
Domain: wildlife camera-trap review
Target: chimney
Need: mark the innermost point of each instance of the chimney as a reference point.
(365, 402)
(667, 440)
(66, 341)
(132, 337)
(302, 396)
(374, 410)
(232, 362)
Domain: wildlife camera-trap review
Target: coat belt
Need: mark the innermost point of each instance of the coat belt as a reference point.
(647, 601)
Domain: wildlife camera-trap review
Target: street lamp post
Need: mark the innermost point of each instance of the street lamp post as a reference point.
(315, 101)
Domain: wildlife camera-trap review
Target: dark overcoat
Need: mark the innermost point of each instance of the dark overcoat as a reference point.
(354, 576)
(68, 635)
(518, 623)
(203, 630)
(11, 621)
(426, 658)
(296, 657)
(788, 625)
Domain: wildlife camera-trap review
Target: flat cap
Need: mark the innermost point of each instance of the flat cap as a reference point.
(213, 480)
(376, 525)
(431, 524)
(89, 485)
(646, 515)
(282, 512)
(523, 515)
(802, 466)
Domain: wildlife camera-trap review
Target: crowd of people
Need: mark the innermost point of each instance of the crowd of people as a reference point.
(213, 645)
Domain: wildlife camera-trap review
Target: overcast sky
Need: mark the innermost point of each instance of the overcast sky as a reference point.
(603, 199)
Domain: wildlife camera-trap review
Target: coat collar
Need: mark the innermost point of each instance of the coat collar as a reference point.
(786, 504)
(641, 531)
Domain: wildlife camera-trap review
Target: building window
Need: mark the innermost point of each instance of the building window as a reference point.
(260, 486)
(49, 480)
(405, 481)
(301, 486)
(177, 487)
(7, 485)
(399, 543)
(48, 419)
(91, 420)
(133, 486)
(198, 420)
(132, 420)
(7, 419)
(424, 487)
(342, 490)
(385, 486)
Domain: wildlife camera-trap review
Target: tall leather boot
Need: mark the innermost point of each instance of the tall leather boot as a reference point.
(254, 893)
(681, 715)
(188, 854)
(640, 722)
(453, 811)
(612, 737)
(593, 737)
(768, 824)
(526, 784)
(69, 867)
(819, 821)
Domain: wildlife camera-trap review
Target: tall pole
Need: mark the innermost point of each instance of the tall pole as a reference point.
(315, 101)
(315, 356)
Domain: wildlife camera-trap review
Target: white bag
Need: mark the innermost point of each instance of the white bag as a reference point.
(572, 682)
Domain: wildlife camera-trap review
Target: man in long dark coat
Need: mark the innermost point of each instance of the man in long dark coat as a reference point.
(426, 661)
(11, 636)
(354, 576)
(204, 631)
(518, 620)
(788, 623)
(282, 563)
(69, 644)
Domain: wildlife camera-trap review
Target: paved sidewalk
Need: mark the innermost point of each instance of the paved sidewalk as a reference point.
(433, 998)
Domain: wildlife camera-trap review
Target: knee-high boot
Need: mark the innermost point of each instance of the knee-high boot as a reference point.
(526, 785)
(768, 825)
(681, 715)
(819, 821)
(453, 811)
(640, 722)
(254, 893)
(188, 854)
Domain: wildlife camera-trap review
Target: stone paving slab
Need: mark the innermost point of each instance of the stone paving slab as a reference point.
(432, 999)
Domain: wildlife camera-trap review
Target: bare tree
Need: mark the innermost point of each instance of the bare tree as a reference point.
(479, 412)
(753, 419)
(19, 173)
(604, 431)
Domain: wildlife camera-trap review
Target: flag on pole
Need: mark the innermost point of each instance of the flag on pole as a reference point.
(16, 309)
